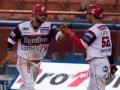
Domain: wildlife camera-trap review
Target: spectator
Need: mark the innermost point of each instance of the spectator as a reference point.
(84, 4)
(0, 6)
(64, 7)
(20, 6)
(113, 8)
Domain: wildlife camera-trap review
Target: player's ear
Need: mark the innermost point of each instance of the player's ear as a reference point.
(33, 15)
(92, 16)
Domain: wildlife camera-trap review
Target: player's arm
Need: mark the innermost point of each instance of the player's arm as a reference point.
(87, 39)
(62, 35)
(12, 39)
(56, 32)
(111, 61)
(111, 58)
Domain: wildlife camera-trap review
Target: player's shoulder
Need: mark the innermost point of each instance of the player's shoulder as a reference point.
(24, 23)
(47, 23)
(95, 26)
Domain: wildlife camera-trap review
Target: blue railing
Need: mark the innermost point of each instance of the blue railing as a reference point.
(71, 25)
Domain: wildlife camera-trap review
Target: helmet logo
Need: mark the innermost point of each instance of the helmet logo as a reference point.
(43, 8)
(93, 11)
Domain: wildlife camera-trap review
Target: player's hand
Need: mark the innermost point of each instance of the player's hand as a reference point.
(9, 57)
(68, 31)
(112, 71)
(62, 26)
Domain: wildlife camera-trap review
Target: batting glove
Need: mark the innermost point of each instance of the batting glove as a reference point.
(113, 69)
(68, 31)
(62, 26)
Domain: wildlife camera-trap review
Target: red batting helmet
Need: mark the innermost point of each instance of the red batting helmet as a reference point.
(94, 9)
(39, 9)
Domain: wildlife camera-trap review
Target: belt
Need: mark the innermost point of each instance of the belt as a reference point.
(35, 61)
(95, 58)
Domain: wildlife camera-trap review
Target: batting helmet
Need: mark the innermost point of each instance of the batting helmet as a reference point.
(94, 9)
(39, 9)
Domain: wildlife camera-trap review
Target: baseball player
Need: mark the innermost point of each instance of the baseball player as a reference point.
(97, 42)
(33, 38)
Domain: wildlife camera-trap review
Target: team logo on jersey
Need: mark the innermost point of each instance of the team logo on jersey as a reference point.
(91, 75)
(89, 35)
(105, 69)
(55, 27)
(86, 38)
(12, 34)
(26, 32)
(33, 48)
(44, 31)
(25, 28)
(34, 40)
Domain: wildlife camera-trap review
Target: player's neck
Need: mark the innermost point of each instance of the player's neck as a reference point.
(35, 24)
(95, 21)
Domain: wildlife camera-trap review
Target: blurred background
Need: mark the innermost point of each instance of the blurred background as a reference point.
(13, 12)
(109, 6)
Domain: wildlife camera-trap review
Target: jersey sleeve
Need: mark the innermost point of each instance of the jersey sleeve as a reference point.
(14, 36)
(88, 38)
(55, 31)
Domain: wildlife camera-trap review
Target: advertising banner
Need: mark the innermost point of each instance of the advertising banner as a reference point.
(65, 76)
(4, 84)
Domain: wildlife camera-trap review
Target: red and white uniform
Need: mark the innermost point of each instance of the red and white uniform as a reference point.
(97, 42)
(33, 44)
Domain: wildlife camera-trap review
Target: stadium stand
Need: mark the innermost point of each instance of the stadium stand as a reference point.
(51, 17)
(70, 17)
(74, 6)
(53, 0)
(100, 2)
(75, 1)
(8, 5)
(109, 6)
(28, 5)
(5, 15)
(55, 6)
(18, 0)
(20, 15)
(118, 18)
(118, 6)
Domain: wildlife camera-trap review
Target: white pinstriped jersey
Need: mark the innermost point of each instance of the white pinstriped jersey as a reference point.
(33, 43)
(97, 41)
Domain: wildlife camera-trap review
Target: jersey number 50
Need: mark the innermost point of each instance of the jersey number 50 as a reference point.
(105, 41)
